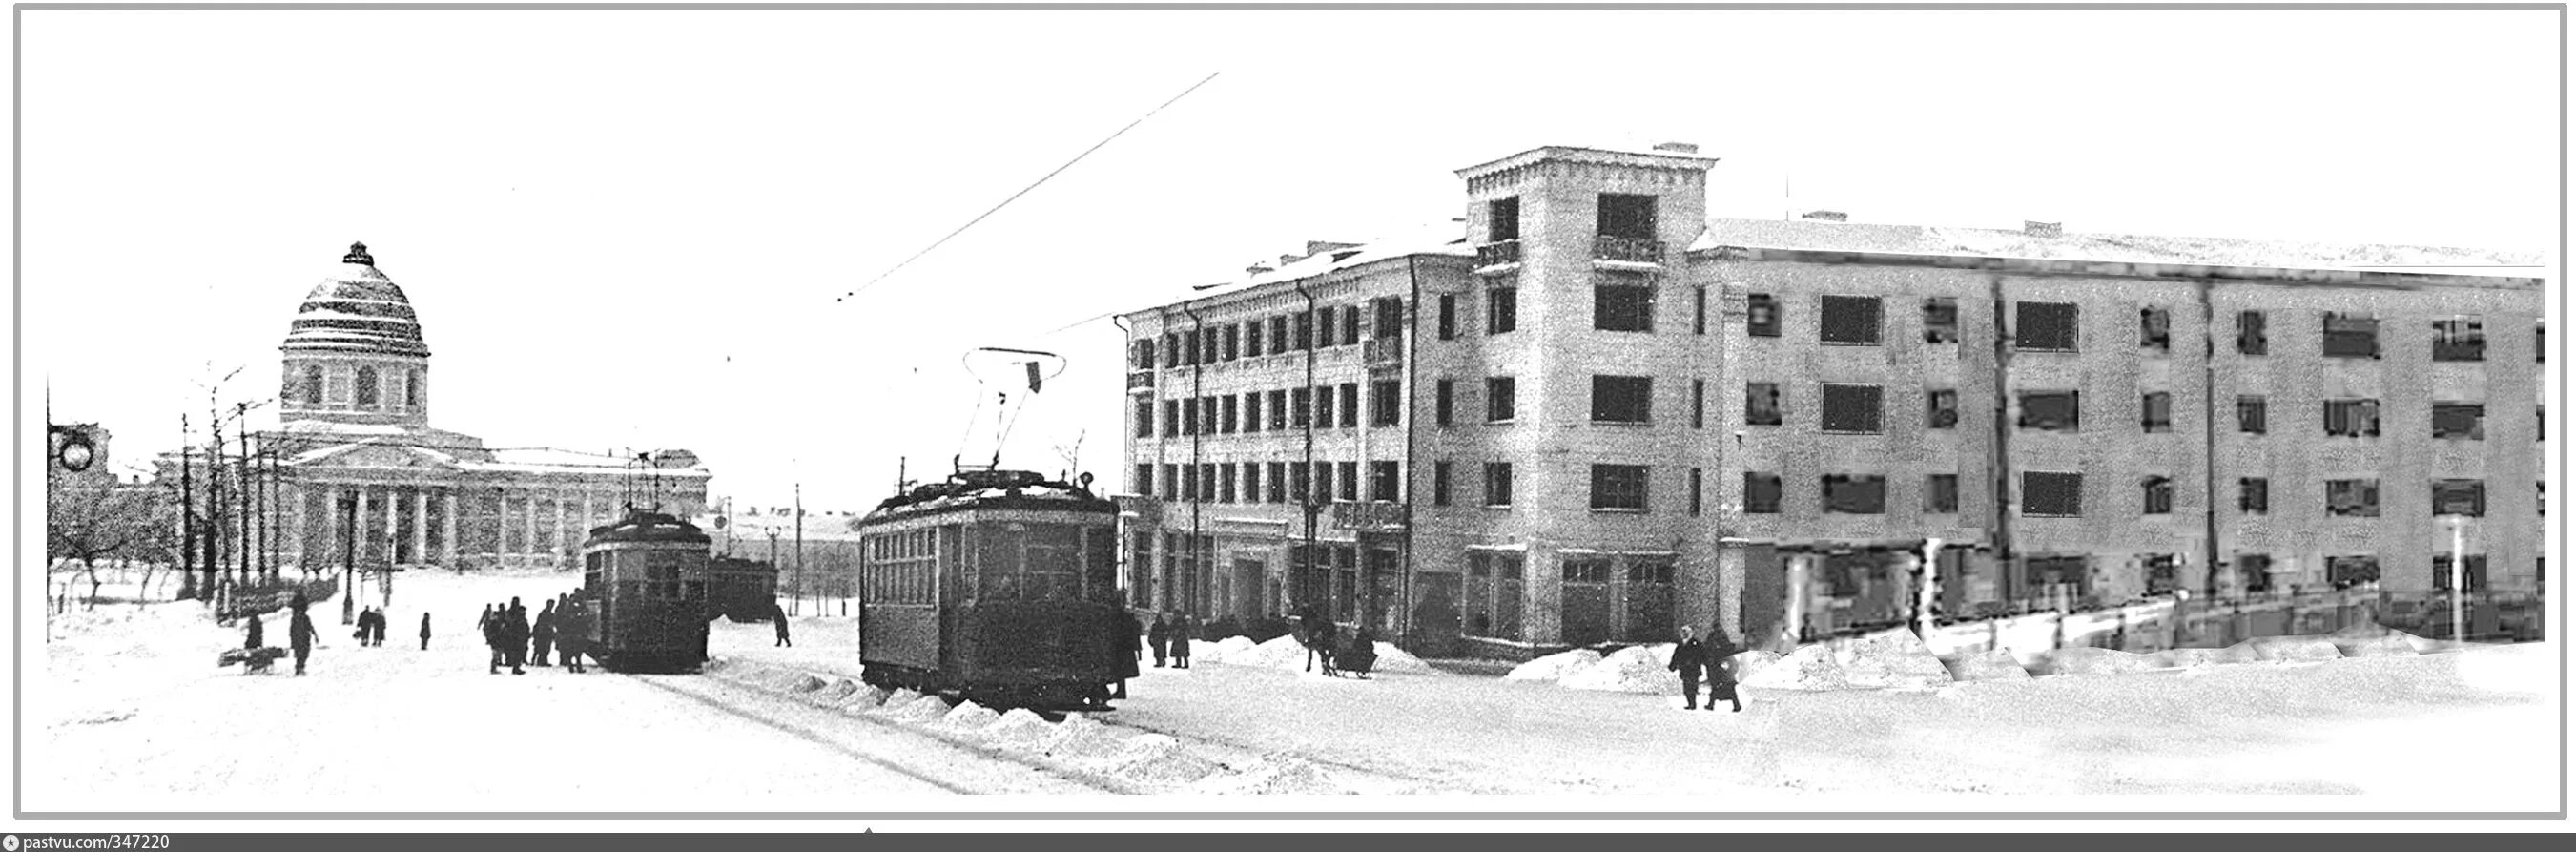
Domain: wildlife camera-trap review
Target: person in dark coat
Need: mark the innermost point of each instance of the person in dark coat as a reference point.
(1320, 642)
(778, 620)
(572, 635)
(1721, 670)
(1130, 629)
(366, 616)
(1690, 658)
(384, 622)
(545, 633)
(1308, 621)
(300, 634)
(492, 632)
(1181, 631)
(254, 640)
(514, 637)
(424, 631)
(1159, 638)
(1362, 654)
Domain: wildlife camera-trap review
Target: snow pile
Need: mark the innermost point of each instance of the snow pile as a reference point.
(1809, 667)
(896, 701)
(864, 699)
(1997, 664)
(1891, 659)
(2194, 657)
(1079, 738)
(1019, 728)
(839, 691)
(2371, 640)
(969, 716)
(1159, 759)
(2433, 646)
(802, 682)
(1746, 663)
(1394, 659)
(2288, 649)
(1636, 668)
(2065, 661)
(1223, 651)
(1275, 775)
(1280, 653)
(1555, 666)
(927, 708)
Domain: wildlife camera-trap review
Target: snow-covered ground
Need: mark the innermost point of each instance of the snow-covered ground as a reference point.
(128, 712)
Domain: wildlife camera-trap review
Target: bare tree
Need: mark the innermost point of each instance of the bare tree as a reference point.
(90, 518)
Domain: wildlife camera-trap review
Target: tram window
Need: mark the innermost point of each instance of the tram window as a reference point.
(1100, 565)
(695, 590)
(997, 562)
(1053, 562)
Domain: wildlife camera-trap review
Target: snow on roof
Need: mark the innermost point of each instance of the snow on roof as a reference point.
(1805, 235)
(548, 460)
(1444, 238)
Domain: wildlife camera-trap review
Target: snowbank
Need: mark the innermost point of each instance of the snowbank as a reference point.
(969, 716)
(1394, 659)
(866, 698)
(839, 691)
(802, 682)
(1224, 650)
(1891, 659)
(1159, 759)
(1079, 738)
(1283, 652)
(1808, 667)
(1636, 668)
(1746, 663)
(2284, 649)
(896, 701)
(2371, 640)
(1555, 666)
(2064, 661)
(1019, 729)
(1274, 775)
(927, 708)
(2192, 657)
(1990, 665)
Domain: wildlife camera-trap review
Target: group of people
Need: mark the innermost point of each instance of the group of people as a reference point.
(299, 632)
(1692, 659)
(371, 627)
(1170, 640)
(558, 627)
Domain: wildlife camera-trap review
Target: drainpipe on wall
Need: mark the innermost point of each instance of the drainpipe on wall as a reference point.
(2002, 461)
(1126, 531)
(2209, 437)
(1198, 437)
(1305, 501)
(1404, 405)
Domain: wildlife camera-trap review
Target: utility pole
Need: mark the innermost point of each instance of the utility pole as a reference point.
(349, 563)
(187, 516)
(241, 426)
(800, 548)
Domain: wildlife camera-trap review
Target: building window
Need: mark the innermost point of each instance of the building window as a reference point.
(1252, 411)
(1941, 408)
(1172, 483)
(2164, 572)
(1941, 494)
(1279, 334)
(1498, 399)
(1761, 315)
(1848, 321)
(2155, 412)
(1619, 486)
(1448, 316)
(1855, 495)
(2540, 344)
(1301, 407)
(1699, 310)
(1444, 401)
(1252, 482)
(2459, 340)
(1623, 303)
(2473, 572)
(411, 389)
(1498, 483)
(1502, 310)
(1144, 481)
(2352, 498)
(2157, 494)
(2464, 497)
(1325, 319)
(2044, 326)
(1252, 339)
(2250, 339)
(2352, 418)
(2155, 329)
(1941, 320)
(1622, 399)
(1503, 220)
(1323, 492)
(2460, 420)
(1626, 216)
(1386, 402)
(2351, 336)
(2255, 569)
(1762, 404)
(313, 384)
(1306, 331)
(1350, 481)
(1851, 409)
(1696, 486)
(1279, 410)
(1190, 482)
(1141, 355)
(1324, 407)
(1389, 322)
(2051, 411)
(2254, 495)
(1225, 483)
(2052, 495)
(1144, 418)
(368, 392)
(1350, 325)
(2249, 415)
(1761, 493)
(1699, 403)
(1278, 477)
(1189, 417)
(2540, 497)
(1493, 595)
(1225, 419)
(2344, 572)
(1233, 338)
(1440, 483)
(1382, 481)
(1350, 405)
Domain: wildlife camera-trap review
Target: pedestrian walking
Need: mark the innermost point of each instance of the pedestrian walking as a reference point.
(1721, 670)
(514, 638)
(254, 640)
(1690, 658)
(1362, 654)
(545, 633)
(1159, 638)
(424, 631)
(384, 621)
(300, 634)
(778, 621)
(1130, 629)
(572, 635)
(1181, 632)
(493, 633)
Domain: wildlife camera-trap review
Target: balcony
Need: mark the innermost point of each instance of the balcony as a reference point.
(1374, 516)
(1496, 256)
(1383, 351)
(1606, 248)
(1140, 380)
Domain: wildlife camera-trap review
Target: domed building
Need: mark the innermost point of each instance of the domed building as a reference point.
(366, 478)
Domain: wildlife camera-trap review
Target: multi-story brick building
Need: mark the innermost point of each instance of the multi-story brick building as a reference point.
(1592, 414)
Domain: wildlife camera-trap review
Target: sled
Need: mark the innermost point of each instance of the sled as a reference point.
(252, 660)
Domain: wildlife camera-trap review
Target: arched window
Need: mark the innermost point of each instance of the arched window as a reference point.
(367, 390)
(313, 384)
(411, 390)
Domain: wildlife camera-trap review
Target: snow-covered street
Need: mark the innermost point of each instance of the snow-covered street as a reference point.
(131, 714)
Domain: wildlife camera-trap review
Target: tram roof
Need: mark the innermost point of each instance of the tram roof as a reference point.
(641, 527)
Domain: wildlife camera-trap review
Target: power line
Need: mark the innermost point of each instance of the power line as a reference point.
(1024, 190)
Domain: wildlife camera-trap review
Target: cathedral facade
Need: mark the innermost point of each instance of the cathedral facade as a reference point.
(362, 478)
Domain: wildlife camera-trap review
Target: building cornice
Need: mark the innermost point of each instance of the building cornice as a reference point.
(2120, 269)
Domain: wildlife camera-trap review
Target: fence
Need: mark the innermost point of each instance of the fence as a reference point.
(2184, 623)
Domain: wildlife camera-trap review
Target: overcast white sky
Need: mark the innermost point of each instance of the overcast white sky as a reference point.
(628, 229)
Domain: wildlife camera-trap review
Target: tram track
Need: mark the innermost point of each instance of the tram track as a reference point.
(1093, 782)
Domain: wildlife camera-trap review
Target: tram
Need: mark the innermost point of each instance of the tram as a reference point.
(645, 598)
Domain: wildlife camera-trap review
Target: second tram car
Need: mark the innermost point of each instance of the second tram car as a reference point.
(645, 593)
(998, 585)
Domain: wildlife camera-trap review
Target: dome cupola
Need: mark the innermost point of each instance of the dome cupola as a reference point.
(354, 351)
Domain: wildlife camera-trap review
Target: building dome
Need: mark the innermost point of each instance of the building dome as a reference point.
(356, 309)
